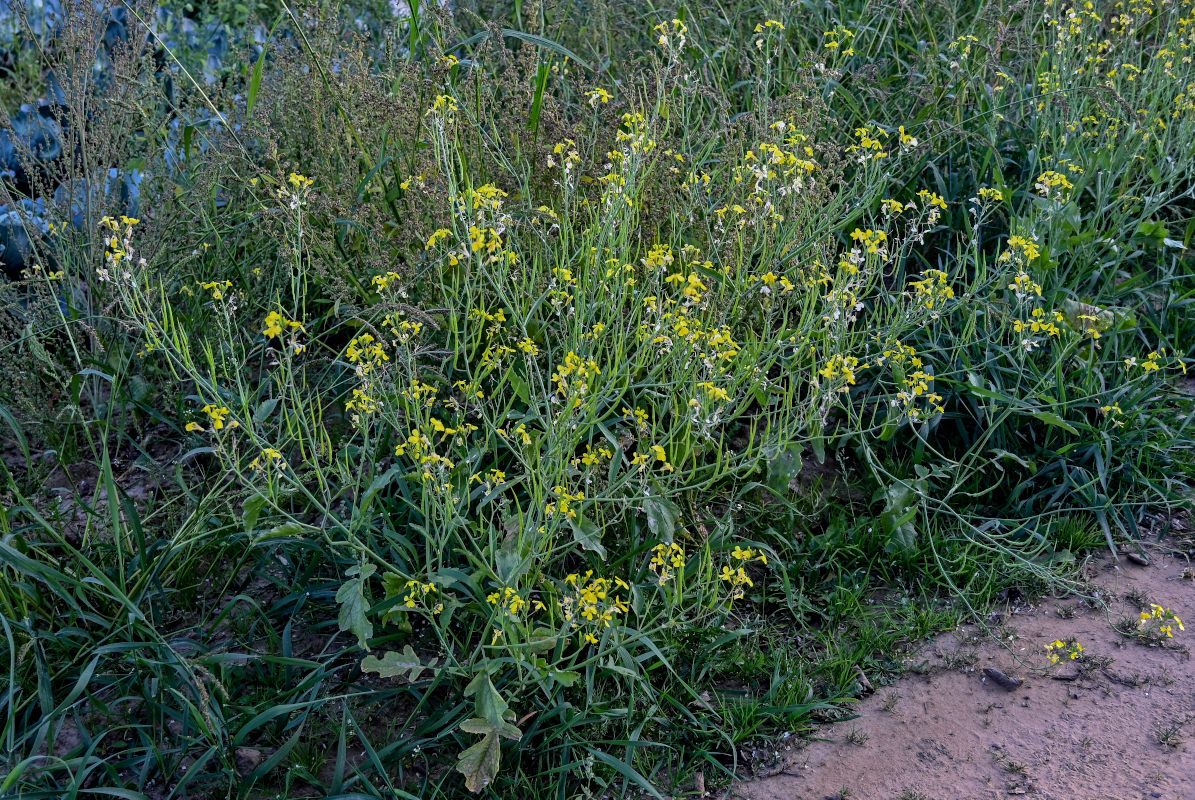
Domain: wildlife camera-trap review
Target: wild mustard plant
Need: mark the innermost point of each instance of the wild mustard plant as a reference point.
(525, 367)
(1058, 650)
(1159, 622)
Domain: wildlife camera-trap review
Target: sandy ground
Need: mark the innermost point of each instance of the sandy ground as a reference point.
(1118, 725)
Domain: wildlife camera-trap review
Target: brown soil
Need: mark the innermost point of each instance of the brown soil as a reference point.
(1116, 725)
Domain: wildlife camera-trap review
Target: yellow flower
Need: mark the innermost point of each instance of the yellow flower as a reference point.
(598, 95)
(276, 324)
(217, 288)
(1053, 185)
(269, 457)
(662, 457)
(748, 554)
(218, 416)
(667, 561)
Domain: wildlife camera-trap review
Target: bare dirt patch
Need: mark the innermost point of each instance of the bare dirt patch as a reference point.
(1118, 724)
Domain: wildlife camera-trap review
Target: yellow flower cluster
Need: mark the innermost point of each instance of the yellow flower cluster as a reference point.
(591, 603)
(871, 242)
(838, 40)
(1113, 414)
(420, 449)
(296, 193)
(443, 108)
(1024, 287)
(1020, 252)
(593, 457)
(672, 37)
(367, 355)
(569, 157)
(269, 457)
(642, 460)
(1152, 362)
(218, 415)
(402, 330)
(1057, 650)
(118, 246)
(417, 592)
(217, 288)
(871, 144)
(988, 194)
(691, 286)
(276, 325)
(839, 371)
(598, 95)
(932, 201)
(933, 290)
(735, 574)
(572, 378)
(1159, 620)
(217, 418)
(779, 169)
(1053, 185)
(520, 433)
(1038, 323)
(771, 283)
(490, 481)
(563, 504)
(508, 602)
(917, 387)
(637, 417)
(667, 561)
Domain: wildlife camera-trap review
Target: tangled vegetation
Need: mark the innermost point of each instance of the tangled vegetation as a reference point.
(411, 400)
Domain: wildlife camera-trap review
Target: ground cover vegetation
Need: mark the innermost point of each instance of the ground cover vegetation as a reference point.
(565, 398)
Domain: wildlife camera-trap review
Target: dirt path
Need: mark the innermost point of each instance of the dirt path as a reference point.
(1123, 728)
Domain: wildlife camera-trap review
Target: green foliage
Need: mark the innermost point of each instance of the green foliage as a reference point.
(546, 393)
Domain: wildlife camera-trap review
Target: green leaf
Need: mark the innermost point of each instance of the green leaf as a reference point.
(783, 468)
(547, 44)
(537, 103)
(529, 38)
(15, 427)
(264, 410)
(586, 534)
(292, 528)
(542, 640)
(565, 677)
(353, 604)
(522, 390)
(896, 520)
(405, 666)
(255, 78)
(662, 516)
(1053, 419)
(376, 485)
(1004, 454)
(493, 715)
(890, 426)
(479, 763)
